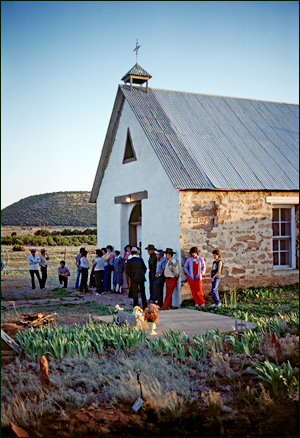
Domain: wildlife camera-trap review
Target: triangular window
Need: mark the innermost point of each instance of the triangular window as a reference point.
(129, 154)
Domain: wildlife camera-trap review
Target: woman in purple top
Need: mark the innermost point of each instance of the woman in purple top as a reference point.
(194, 268)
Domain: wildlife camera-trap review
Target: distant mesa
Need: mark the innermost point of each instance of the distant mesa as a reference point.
(51, 209)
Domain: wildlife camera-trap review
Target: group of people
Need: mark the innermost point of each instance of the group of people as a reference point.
(194, 268)
(108, 267)
(35, 261)
(105, 263)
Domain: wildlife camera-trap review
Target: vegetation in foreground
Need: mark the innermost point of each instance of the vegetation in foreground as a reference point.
(211, 385)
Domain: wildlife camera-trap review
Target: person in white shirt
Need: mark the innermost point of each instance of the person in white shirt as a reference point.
(85, 271)
(34, 261)
(43, 264)
(98, 266)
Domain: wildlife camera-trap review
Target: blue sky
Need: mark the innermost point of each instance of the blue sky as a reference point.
(62, 61)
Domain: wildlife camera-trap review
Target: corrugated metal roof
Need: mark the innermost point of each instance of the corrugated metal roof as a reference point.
(137, 70)
(220, 142)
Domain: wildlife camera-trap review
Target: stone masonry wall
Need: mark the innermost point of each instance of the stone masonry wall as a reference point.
(241, 228)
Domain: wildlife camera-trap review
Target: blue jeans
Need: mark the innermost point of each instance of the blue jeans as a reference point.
(158, 290)
(77, 279)
(214, 290)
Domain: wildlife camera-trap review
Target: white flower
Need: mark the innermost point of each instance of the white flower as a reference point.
(138, 312)
(117, 307)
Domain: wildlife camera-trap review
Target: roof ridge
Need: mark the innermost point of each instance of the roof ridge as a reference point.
(215, 95)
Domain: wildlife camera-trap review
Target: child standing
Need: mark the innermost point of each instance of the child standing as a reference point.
(119, 266)
(215, 276)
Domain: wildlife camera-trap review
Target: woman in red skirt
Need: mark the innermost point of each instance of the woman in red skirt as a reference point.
(194, 268)
(171, 274)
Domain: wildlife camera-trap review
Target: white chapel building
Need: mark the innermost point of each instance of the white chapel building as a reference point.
(184, 169)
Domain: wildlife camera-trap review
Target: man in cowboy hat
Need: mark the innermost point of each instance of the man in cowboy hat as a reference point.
(34, 261)
(136, 269)
(171, 274)
(152, 267)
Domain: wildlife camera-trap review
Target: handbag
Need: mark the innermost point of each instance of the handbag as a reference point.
(110, 268)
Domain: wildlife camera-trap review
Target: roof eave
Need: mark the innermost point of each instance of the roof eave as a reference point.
(107, 145)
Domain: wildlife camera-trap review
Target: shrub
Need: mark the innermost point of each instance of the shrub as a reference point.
(13, 233)
(6, 240)
(66, 232)
(76, 232)
(50, 241)
(282, 380)
(43, 233)
(18, 248)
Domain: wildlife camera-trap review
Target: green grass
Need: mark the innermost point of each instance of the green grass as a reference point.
(257, 301)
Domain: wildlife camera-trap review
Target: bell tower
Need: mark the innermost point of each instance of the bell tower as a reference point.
(137, 75)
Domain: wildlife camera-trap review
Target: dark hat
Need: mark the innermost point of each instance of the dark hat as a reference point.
(151, 247)
(33, 250)
(169, 251)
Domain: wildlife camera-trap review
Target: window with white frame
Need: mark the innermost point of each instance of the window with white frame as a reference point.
(283, 225)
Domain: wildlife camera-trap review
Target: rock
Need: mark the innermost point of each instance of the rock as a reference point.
(82, 417)
(129, 318)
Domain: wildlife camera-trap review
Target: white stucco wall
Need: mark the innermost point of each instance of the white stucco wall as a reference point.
(160, 212)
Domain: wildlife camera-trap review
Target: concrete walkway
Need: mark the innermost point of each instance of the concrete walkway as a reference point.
(192, 322)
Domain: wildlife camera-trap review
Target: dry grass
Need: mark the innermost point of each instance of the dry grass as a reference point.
(16, 263)
(289, 346)
(94, 380)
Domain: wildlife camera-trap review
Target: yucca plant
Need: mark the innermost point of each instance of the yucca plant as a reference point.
(78, 339)
(281, 379)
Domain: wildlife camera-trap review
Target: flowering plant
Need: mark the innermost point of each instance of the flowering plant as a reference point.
(138, 312)
(117, 308)
(151, 313)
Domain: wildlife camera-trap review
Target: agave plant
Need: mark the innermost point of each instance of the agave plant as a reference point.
(281, 379)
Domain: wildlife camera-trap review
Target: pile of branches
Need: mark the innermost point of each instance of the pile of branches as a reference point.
(37, 319)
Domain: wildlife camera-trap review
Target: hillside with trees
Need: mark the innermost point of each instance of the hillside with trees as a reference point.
(52, 209)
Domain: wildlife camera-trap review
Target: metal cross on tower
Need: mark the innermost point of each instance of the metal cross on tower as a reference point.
(136, 49)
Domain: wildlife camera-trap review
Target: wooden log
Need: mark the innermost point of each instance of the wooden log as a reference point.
(10, 342)
(52, 314)
(18, 430)
(44, 373)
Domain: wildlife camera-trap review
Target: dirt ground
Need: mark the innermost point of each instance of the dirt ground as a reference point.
(70, 309)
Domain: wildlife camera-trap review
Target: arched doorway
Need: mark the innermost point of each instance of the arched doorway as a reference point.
(135, 226)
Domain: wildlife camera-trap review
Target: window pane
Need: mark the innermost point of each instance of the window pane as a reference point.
(285, 214)
(285, 229)
(275, 258)
(284, 258)
(284, 245)
(275, 229)
(275, 245)
(275, 214)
